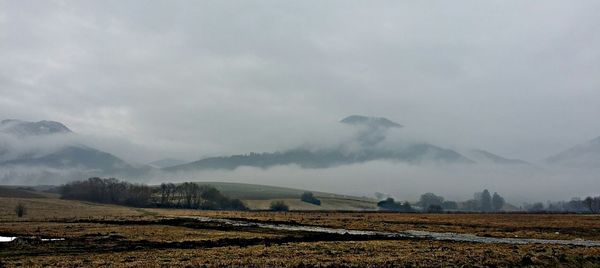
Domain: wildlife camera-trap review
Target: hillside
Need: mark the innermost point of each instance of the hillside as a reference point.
(416, 153)
(21, 128)
(20, 192)
(586, 155)
(485, 157)
(257, 196)
(49, 152)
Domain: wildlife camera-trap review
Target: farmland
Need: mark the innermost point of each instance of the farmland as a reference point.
(93, 234)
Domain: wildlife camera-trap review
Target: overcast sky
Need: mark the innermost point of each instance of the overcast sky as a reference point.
(188, 79)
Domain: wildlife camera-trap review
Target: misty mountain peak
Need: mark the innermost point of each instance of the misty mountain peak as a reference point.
(582, 155)
(485, 157)
(21, 128)
(167, 162)
(377, 122)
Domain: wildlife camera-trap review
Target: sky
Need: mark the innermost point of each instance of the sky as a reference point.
(187, 79)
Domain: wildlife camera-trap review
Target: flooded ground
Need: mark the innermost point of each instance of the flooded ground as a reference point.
(4, 239)
(409, 234)
(363, 234)
(7, 238)
(267, 239)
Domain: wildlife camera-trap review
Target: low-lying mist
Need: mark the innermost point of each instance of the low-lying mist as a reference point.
(408, 182)
(401, 180)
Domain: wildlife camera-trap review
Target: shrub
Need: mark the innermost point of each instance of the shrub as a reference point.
(20, 210)
(279, 206)
(308, 197)
(390, 204)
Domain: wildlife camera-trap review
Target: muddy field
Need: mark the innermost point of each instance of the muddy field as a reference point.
(88, 234)
(546, 226)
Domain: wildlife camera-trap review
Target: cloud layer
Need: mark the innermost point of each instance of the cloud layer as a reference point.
(213, 77)
(150, 80)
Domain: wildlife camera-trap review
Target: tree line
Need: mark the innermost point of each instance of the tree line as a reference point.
(192, 195)
(588, 204)
(486, 202)
(481, 202)
(430, 202)
(184, 195)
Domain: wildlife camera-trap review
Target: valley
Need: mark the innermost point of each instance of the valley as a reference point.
(65, 233)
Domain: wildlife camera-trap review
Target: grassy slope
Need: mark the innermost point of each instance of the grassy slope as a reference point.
(254, 196)
(260, 197)
(10, 191)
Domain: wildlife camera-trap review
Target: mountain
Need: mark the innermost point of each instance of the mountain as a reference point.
(414, 154)
(374, 122)
(20, 128)
(80, 157)
(583, 155)
(485, 157)
(370, 131)
(56, 161)
(167, 162)
(369, 140)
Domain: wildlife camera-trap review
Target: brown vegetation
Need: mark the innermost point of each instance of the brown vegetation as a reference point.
(110, 235)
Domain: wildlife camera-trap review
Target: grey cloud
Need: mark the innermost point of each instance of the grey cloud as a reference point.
(190, 79)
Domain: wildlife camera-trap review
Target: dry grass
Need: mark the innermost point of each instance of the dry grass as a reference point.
(326, 204)
(54, 209)
(366, 253)
(129, 232)
(89, 227)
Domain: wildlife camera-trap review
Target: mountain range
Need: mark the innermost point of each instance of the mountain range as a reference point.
(367, 145)
(369, 136)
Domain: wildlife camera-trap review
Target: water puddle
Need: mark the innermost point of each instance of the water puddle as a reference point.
(7, 238)
(409, 234)
(52, 239)
(4, 239)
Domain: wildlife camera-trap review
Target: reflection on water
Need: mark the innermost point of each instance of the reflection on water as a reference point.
(12, 238)
(406, 234)
(7, 238)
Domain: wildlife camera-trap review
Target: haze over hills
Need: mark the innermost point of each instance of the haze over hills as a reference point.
(54, 156)
(20, 128)
(372, 122)
(51, 156)
(350, 97)
(364, 147)
(305, 158)
(166, 162)
(485, 157)
(585, 155)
